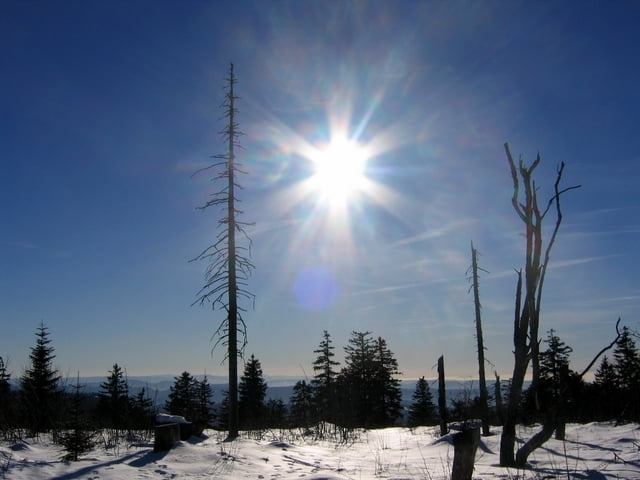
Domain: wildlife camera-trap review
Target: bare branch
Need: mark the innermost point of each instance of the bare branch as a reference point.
(615, 340)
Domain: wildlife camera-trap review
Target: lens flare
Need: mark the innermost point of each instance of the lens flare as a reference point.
(315, 288)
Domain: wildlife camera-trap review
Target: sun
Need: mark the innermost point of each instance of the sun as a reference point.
(339, 170)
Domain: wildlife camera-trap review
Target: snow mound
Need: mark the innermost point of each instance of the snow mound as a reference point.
(164, 418)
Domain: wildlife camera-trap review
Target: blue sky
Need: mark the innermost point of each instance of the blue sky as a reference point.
(107, 108)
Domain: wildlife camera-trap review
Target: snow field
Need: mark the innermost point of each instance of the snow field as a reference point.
(595, 451)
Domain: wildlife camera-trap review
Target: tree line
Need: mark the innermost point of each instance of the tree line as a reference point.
(364, 392)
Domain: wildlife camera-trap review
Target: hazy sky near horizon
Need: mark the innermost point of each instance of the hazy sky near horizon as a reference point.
(107, 108)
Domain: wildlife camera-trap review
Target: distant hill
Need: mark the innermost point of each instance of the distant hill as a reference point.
(279, 387)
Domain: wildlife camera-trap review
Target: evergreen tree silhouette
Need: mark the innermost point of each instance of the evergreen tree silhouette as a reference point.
(302, 405)
(323, 383)
(627, 368)
(183, 397)
(6, 398)
(387, 396)
(40, 392)
(252, 390)
(113, 400)
(79, 437)
(422, 410)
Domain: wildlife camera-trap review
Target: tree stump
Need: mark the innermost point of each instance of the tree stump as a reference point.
(166, 435)
(465, 444)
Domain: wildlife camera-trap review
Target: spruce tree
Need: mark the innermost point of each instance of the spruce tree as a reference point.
(79, 436)
(357, 378)
(276, 413)
(422, 410)
(627, 361)
(387, 396)
(370, 389)
(113, 400)
(606, 392)
(204, 415)
(6, 398)
(183, 397)
(40, 392)
(554, 364)
(252, 390)
(142, 411)
(302, 405)
(556, 385)
(222, 412)
(324, 379)
(627, 368)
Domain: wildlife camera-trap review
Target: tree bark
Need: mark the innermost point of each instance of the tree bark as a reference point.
(465, 445)
(482, 381)
(536, 441)
(442, 397)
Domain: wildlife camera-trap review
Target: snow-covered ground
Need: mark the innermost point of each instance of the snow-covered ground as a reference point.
(595, 451)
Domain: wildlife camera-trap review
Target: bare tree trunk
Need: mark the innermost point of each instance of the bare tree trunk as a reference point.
(442, 397)
(498, 395)
(527, 315)
(536, 441)
(484, 407)
(232, 279)
(465, 445)
(228, 268)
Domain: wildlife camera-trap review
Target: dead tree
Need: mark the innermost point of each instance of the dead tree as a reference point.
(498, 396)
(527, 309)
(442, 397)
(482, 381)
(229, 266)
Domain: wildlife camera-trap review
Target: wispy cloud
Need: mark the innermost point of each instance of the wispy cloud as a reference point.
(435, 232)
(22, 244)
(393, 288)
(580, 261)
(602, 233)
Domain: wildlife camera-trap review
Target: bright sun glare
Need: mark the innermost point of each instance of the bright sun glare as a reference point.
(339, 170)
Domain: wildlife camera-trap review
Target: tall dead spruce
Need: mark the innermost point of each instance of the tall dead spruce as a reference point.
(527, 310)
(229, 266)
(482, 380)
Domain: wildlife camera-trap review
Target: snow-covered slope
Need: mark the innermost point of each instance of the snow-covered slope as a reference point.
(593, 451)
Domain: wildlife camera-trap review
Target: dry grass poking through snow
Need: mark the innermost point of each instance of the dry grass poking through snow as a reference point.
(595, 451)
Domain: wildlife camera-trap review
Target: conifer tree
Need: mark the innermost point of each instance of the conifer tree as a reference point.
(222, 412)
(183, 397)
(252, 390)
(302, 405)
(113, 400)
(142, 411)
(357, 377)
(555, 380)
(370, 388)
(422, 410)
(627, 361)
(605, 390)
(79, 437)
(229, 266)
(6, 398)
(324, 379)
(276, 413)
(387, 397)
(40, 392)
(204, 403)
(627, 369)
